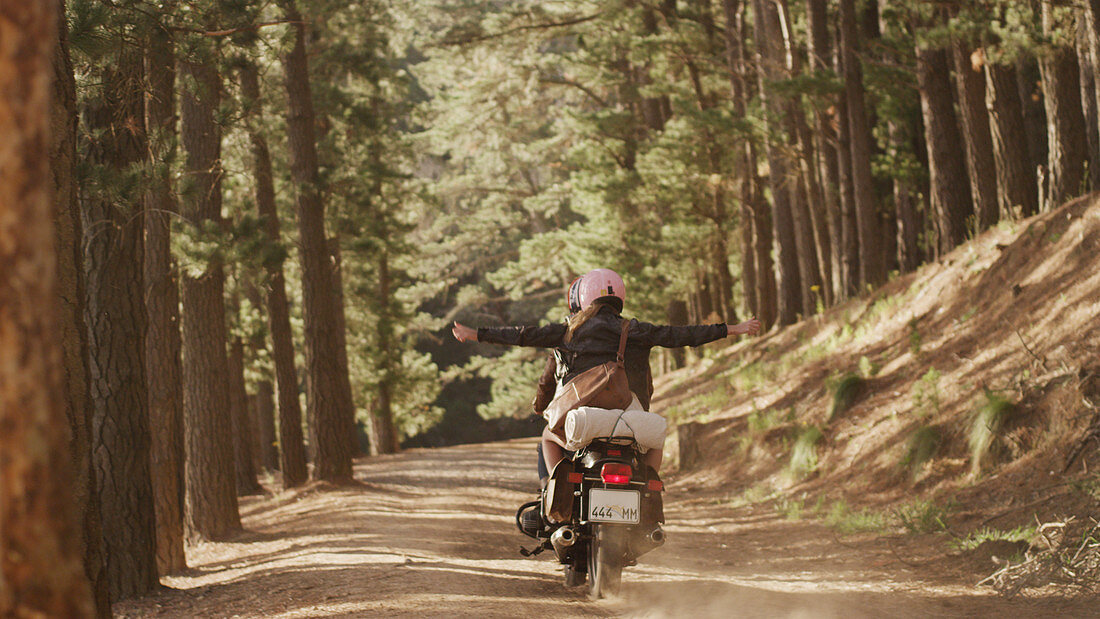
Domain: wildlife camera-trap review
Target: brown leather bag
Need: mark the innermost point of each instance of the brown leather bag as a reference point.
(604, 386)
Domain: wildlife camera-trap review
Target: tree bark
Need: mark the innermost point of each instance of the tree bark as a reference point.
(1092, 26)
(264, 411)
(1016, 188)
(757, 273)
(1066, 132)
(951, 201)
(211, 482)
(115, 320)
(291, 448)
(849, 229)
(342, 340)
(780, 176)
(41, 571)
(825, 138)
(162, 334)
(1086, 62)
(243, 432)
(70, 303)
(327, 396)
(872, 262)
(980, 165)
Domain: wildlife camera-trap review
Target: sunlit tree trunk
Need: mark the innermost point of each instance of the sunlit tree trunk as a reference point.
(328, 400)
(849, 229)
(1016, 188)
(1087, 70)
(41, 571)
(292, 450)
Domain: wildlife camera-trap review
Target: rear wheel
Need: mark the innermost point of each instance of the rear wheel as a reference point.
(606, 551)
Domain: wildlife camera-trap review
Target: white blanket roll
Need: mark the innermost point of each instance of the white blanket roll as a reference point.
(586, 423)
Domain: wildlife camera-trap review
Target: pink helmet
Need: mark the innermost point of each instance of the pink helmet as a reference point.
(601, 283)
(573, 297)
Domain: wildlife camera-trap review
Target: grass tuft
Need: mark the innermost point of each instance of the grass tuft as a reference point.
(921, 447)
(845, 520)
(804, 452)
(986, 427)
(924, 516)
(845, 392)
(975, 539)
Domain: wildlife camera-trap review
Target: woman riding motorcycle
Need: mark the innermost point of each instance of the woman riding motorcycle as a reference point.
(591, 338)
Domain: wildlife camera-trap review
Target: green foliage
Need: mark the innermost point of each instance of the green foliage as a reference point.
(922, 446)
(845, 391)
(804, 451)
(926, 394)
(974, 539)
(847, 521)
(924, 516)
(986, 427)
(914, 337)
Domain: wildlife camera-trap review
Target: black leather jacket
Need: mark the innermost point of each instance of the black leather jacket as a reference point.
(597, 341)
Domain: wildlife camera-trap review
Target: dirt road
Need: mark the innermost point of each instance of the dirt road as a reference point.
(430, 533)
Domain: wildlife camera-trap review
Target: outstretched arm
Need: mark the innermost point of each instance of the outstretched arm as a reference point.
(749, 327)
(463, 333)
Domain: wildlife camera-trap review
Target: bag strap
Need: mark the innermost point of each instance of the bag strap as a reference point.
(622, 341)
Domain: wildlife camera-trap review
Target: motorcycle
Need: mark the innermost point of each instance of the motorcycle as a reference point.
(600, 511)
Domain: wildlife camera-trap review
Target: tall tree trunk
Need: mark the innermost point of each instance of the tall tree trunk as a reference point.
(751, 275)
(264, 412)
(1016, 188)
(327, 397)
(342, 340)
(872, 262)
(115, 318)
(41, 572)
(70, 302)
(849, 230)
(1066, 133)
(1087, 65)
(951, 201)
(243, 432)
(208, 442)
(162, 334)
(292, 449)
(384, 432)
(980, 165)
(1092, 26)
(825, 139)
(780, 175)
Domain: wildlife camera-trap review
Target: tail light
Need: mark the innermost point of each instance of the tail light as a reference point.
(616, 473)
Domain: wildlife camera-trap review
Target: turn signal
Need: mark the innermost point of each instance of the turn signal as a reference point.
(615, 473)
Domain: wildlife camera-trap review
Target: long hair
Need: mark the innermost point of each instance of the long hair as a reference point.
(581, 317)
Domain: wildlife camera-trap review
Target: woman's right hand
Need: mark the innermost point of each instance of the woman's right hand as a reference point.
(463, 333)
(749, 327)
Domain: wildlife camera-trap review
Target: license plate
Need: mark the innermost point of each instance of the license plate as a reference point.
(614, 505)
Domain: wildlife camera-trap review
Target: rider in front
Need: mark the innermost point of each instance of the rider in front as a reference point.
(591, 337)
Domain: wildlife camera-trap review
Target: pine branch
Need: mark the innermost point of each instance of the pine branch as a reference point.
(504, 33)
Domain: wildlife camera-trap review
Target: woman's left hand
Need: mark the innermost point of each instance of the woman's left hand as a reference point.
(463, 333)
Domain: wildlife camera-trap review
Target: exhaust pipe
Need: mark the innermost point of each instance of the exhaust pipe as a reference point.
(647, 541)
(562, 539)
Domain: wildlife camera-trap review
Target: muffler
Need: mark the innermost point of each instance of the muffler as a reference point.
(643, 543)
(562, 539)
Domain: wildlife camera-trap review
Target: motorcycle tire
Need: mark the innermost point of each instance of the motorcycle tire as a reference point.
(606, 551)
